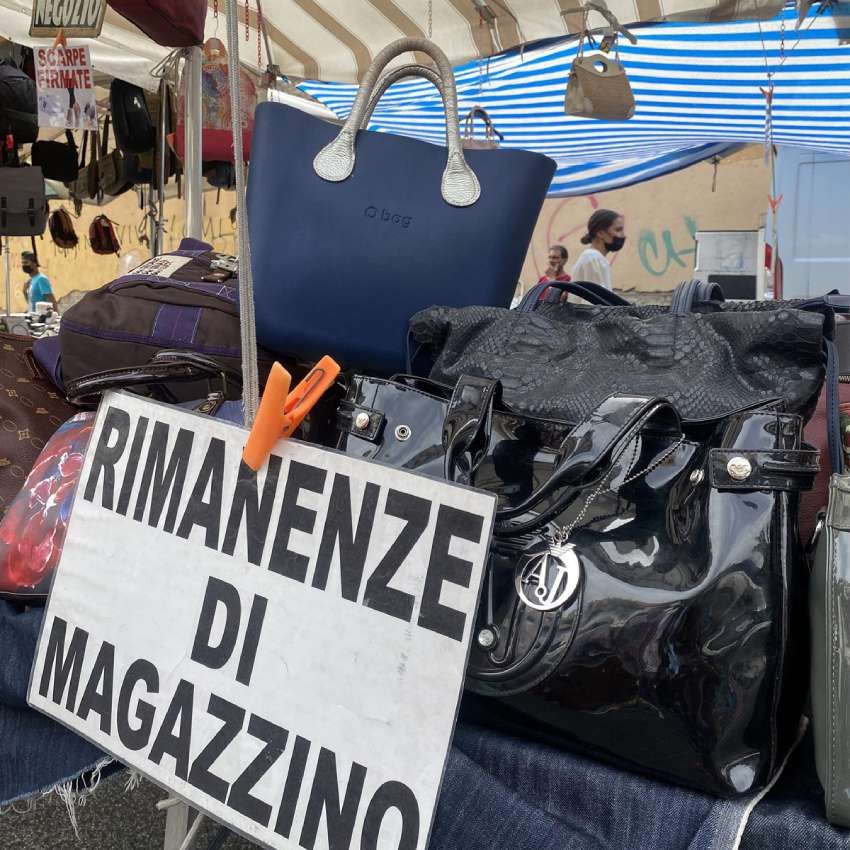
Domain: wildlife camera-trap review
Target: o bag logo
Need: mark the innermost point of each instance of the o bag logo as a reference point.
(388, 217)
(78, 18)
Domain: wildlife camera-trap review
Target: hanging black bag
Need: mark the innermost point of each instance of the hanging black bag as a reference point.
(57, 160)
(18, 104)
(23, 207)
(134, 126)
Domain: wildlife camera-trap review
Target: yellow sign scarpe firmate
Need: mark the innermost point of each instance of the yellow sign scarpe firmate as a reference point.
(282, 411)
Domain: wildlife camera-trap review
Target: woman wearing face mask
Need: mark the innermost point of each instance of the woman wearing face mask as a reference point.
(605, 233)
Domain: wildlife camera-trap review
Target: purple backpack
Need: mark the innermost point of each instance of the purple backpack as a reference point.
(182, 301)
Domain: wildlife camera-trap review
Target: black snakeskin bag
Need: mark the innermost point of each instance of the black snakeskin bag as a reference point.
(707, 357)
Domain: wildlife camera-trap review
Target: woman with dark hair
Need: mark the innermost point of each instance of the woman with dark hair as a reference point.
(605, 233)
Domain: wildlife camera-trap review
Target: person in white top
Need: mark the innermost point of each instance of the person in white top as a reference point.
(605, 233)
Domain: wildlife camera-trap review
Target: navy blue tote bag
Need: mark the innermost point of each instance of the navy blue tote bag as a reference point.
(352, 231)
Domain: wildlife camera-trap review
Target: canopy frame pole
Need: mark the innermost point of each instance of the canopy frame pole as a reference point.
(160, 161)
(7, 277)
(192, 158)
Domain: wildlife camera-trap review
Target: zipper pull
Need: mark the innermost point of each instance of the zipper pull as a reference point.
(211, 405)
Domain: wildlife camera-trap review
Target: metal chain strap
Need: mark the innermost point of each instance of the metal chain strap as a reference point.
(260, 37)
(430, 19)
(562, 535)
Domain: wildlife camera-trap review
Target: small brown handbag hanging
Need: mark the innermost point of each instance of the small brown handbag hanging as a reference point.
(598, 87)
(492, 137)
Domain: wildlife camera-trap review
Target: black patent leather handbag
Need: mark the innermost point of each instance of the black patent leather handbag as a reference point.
(642, 597)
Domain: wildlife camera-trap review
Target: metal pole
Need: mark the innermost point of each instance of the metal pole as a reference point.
(162, 145)
(8, 277)
(192, 159)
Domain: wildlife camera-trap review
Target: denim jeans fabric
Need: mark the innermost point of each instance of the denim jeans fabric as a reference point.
(792, 815)
(499, 793)
(35, 752)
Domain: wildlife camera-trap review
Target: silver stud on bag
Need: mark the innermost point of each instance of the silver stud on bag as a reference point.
(361, 421)
(487, 637)
(696, 476)
(402, 433)
(739, 468)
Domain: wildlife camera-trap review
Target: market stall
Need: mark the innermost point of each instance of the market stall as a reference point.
(644, 560)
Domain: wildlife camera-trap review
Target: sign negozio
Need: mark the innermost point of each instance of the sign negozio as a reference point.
(283, 649)
(78, 18)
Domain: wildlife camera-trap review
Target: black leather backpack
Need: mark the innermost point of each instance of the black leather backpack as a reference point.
(18, 104)
(132, 122)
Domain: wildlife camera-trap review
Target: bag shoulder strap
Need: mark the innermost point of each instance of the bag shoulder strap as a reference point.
(104, 142)
(588, 451)
(594, 293)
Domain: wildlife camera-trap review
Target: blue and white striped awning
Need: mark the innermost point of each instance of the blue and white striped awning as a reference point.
(698, 89)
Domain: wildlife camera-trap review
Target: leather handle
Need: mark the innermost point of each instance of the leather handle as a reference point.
(165, 367)
(691, 292)
(104, 142)
(335, 161)
(594, 293)
(490, 128)
(588, 452)
(425, 385)
(467, 426)
(392, 77)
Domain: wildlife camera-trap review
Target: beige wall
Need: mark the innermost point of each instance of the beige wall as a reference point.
(661, 217)
(82, 269)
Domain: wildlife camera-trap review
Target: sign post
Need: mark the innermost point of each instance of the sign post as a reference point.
(284, 650)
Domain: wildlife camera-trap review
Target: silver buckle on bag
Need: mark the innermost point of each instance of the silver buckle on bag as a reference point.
(227, 263)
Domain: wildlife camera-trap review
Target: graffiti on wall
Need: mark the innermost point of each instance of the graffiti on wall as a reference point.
(658, 256)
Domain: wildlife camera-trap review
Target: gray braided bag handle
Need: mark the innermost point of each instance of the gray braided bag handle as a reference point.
(392, 77)
(335, 162)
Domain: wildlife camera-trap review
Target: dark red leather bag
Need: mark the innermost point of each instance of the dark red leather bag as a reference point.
(166, 22)
(814, 500)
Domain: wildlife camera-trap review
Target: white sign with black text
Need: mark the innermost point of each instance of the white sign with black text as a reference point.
(285, 649)
(64, 81)
(78, 18)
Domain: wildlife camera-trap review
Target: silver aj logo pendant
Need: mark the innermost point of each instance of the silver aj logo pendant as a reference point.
(550, 579)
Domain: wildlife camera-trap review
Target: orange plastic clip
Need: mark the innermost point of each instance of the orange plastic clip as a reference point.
(282, 411)
(60, 40)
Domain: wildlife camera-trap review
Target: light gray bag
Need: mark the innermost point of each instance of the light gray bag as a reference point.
(829, 612)
(598, 87)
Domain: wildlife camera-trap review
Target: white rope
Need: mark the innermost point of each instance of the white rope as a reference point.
(250, 376)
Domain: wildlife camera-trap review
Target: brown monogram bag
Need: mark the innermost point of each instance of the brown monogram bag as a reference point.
(31, 409)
